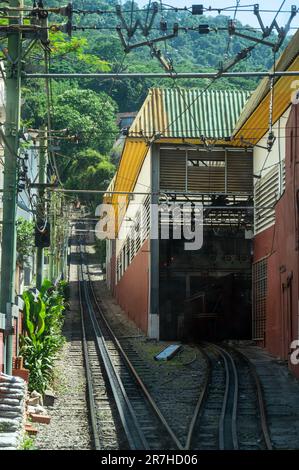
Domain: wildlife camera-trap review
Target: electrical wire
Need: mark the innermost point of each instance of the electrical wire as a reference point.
(200, 95)
(187, 132)
(49, 119)
(166, 7)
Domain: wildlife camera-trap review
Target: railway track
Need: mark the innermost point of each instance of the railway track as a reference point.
(141, 420)
(230, 411)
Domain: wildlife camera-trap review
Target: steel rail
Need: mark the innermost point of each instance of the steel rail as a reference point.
(138, 379)
(227, 356)
(200, 404)
(261, 402)
(173, 76)
(201, 400)
(90, 389)
(134, 434)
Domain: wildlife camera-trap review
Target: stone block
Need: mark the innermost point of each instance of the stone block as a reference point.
(43, 419)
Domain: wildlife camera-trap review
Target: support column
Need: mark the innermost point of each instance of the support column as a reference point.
(42, 179)
(154, 271)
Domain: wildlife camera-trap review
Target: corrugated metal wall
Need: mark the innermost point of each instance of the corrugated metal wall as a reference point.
(239, 172)
(173, 170)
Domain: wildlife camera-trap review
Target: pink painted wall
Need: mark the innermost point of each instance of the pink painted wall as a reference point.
(281, 244)
(132, 290)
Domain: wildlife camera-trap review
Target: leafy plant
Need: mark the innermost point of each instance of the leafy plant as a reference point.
(43, 320)
(25, 239)
(27, 443)
(34, 314)
(64, 290)
(39, 359)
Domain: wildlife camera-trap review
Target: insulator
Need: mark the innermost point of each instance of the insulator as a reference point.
(270, 141)
(197, 9)
(163, 26)
(203, 29)
(155, 7)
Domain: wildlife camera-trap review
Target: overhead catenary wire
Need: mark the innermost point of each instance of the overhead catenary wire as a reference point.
(49, 120)
(208, 9)
(216, 77)
(177, 76)
(165, 7)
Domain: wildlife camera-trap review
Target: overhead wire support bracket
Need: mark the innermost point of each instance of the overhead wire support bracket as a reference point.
(166, 63)
(240, 56)
(145, 28)
(266, 30)
(149, 42)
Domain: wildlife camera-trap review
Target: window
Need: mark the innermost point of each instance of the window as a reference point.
(127, 252)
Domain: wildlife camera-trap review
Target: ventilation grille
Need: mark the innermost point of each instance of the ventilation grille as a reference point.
(239, 173)
(206, 172)
(266, 193)
(173, 170)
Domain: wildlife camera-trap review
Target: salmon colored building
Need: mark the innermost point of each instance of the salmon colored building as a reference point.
(276, 198)
(228, 150)
(178, 150)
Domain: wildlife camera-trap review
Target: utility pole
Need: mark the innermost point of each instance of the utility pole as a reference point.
(42, 179)
(53, 248)
(12, 127)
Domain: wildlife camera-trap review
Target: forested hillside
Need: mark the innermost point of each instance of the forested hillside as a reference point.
(87, 108)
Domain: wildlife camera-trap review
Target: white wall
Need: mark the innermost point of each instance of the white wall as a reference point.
(143, 186)
(269, 171)
(262, 162)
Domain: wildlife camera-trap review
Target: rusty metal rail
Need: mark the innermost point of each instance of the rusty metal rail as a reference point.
(226, 436)
(228, 412)
(98, 325)
(89, 384)
(261, 401)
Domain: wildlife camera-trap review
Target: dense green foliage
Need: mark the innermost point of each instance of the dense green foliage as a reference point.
(87, 108)
(25, 239)
(43, 319)
(92, 51)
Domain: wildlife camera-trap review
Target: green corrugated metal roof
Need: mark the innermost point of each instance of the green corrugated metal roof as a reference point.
(189, 113)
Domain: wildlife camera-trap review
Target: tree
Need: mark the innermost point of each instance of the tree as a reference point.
(89, 116)
(25, 239)
(89, 169)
